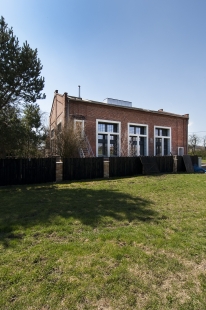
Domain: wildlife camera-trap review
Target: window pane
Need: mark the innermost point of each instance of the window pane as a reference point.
(165, 132)
(166, 147)
(158, 146)
(137, 130)
(102, 145)
(113, 145)
(131, 129)
(158, 132)
(104, 127)
(111, 127)
(142, 146)
(101, 127)
(162, 132)
(142, 130)
(132, 146)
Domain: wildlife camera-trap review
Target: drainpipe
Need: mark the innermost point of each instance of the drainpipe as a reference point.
(65, 109)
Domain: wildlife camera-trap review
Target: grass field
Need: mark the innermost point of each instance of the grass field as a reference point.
(132, 243)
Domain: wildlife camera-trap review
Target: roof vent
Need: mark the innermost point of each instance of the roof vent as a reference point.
(118, 102)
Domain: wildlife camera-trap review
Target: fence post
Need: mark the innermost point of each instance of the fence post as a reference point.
(59, 171)
(175, 164)
(200, 162)
(106, 168)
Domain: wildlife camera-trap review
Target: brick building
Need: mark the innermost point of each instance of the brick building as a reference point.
(115, 128)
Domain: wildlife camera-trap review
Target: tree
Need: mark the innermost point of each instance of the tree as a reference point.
(22, 133)
(34, 131)
(11, 130)
(21, 85)
(193, 141)
(20, 69)
(66, 142)
(204, 142)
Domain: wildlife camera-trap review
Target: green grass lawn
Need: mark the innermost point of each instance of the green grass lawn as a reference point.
(132, 243)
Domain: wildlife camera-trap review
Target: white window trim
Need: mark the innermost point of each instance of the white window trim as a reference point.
(135, 135)
(112, 133)
(179, 148)
(165, 137)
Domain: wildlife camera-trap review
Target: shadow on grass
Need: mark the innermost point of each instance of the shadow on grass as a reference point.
(25, 207)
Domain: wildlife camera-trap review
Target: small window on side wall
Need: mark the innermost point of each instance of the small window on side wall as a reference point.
(180, 151)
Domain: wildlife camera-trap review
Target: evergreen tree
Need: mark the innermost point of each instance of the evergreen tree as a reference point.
(11, 130)
(23, 134)
(34, 131)
(20, 69)
(21, 84)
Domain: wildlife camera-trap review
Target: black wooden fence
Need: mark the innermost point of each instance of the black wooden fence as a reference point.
(124, 166)
(27, 171)
(128, 166)
(83, 168)
(194, 159)
(164, 163)
(41, 170)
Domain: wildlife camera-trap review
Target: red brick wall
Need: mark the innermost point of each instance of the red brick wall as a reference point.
(58, 110)
(92, 111)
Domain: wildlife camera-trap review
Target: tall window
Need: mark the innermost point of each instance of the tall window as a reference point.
(107, 138)
(138, 139)
(162, 141)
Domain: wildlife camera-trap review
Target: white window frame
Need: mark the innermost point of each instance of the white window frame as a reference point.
(118, 133)
(163, 137)
(138, 135)
(179, 150)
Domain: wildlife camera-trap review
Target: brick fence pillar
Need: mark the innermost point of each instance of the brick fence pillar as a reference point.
(175, 164)
(59, 171)
(106, 169)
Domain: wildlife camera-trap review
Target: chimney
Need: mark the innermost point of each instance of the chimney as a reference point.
(79, 90)
(160, 110)
(56, 92)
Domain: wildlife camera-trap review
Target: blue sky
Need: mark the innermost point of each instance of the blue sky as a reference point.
(150, 52)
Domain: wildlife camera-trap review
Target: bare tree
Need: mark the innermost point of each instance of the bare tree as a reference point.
(204, 142)
(66, 142)
(128, 148)
(124, 144)
(193, 141)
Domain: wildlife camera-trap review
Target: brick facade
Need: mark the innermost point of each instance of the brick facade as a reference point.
(66, 108)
